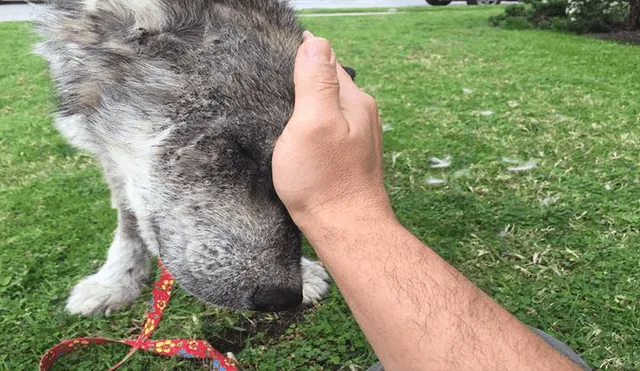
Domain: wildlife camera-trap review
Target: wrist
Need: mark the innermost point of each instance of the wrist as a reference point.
(323, 227)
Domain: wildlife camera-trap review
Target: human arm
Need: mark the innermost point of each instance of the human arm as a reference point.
(417, 311)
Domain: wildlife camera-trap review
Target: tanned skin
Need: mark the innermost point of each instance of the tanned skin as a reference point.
(416, 310)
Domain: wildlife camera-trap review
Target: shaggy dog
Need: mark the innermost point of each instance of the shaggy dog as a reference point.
(182, 101)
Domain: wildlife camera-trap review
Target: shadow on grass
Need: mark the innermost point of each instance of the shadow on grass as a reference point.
(271, 327)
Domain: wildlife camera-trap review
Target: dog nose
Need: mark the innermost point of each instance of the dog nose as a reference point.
(275, 299)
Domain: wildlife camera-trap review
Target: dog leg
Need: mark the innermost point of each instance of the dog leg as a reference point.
(315, 281)
(120, 279)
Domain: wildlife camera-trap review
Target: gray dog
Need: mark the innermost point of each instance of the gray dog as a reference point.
(181, 101)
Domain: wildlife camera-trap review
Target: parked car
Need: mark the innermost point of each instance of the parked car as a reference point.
(469, 2)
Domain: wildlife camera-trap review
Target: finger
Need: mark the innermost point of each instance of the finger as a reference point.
(306, 35)
(377, 133)
(358, 107)
(317, 89)
(350, 94)
(346, 82)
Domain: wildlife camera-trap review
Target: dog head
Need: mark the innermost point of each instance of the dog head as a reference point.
(222, 229)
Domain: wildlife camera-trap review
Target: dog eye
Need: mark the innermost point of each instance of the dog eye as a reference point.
(241, 157)
(244, 152)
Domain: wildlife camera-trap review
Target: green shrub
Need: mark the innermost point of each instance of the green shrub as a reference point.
(545, 24)
(498, 20)
(518, 10)
(596, 15)
(517, 23)
(559, 24)
(579, 16)
(513, 11)
(549, 9)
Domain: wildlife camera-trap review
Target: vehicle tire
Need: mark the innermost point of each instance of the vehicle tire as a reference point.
(439, 2)
(483, 2)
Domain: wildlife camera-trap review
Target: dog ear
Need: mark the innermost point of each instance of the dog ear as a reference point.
(350, 71)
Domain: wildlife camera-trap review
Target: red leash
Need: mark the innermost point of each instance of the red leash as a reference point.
(174, 347)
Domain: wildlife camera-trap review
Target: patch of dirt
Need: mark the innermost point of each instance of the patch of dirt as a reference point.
(624, 37)
(272, 326)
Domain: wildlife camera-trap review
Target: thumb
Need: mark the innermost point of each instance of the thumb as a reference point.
(317, 87)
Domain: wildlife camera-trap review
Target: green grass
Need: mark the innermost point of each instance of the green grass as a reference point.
(364, 10)
(569, 266)
(403, 9)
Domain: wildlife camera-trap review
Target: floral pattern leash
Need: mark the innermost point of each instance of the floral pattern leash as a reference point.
(186, 348)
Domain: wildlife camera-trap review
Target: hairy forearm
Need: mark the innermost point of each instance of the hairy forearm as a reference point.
(417, 311)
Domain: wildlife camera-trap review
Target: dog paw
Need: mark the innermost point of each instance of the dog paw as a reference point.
(315, 281)
(93, 296)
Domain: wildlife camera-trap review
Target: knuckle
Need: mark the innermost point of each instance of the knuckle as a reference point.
(369, 102)
(326, 83)
(315, 123)
(325, 87)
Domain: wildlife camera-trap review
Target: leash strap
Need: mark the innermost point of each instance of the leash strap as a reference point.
(186, 348)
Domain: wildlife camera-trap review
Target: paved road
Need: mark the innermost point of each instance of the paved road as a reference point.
(25, 12)
(18, 12)
(310, 4)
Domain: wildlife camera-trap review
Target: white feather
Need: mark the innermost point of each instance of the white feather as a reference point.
(524, 167)
(440, 163)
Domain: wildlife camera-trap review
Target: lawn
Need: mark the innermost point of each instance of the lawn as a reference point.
(556, 243)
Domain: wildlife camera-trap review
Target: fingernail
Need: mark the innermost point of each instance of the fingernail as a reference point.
(319, 50)
(307, 35)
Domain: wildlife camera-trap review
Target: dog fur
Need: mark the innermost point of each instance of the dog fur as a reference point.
(182, 101)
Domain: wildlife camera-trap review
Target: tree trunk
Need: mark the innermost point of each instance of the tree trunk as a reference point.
(634, 15)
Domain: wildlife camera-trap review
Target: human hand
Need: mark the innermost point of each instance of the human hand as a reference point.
(327, 164)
